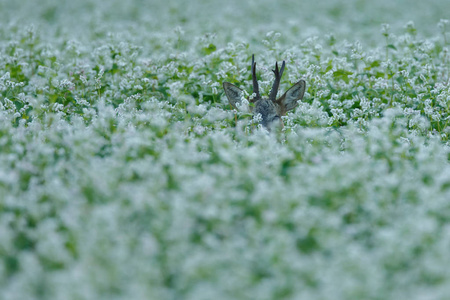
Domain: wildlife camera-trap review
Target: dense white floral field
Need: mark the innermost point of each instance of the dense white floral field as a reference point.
(125, 173)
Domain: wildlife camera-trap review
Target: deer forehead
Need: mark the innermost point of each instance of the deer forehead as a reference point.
(267, 108)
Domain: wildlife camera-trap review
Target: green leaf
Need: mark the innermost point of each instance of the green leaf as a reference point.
(392, 47)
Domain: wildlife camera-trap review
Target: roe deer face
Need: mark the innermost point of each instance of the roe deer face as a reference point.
(271, 109)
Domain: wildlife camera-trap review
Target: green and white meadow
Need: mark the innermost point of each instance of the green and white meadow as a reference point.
(125, 173)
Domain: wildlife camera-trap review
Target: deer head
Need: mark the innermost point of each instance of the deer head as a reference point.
(271, 109)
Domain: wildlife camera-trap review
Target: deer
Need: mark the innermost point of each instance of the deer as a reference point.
(271, 109)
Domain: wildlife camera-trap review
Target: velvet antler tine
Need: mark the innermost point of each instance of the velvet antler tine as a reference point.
(276, 83)
(255, 80)
(282, 68)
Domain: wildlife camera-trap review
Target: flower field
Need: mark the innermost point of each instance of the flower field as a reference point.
(126, 174)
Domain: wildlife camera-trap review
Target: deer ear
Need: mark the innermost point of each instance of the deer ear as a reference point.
(233, 93)
(295, 93)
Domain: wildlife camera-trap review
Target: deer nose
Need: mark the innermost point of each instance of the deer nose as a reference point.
(272, 123)
(276, 118)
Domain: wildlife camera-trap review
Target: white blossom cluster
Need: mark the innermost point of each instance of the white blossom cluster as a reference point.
(126, 174)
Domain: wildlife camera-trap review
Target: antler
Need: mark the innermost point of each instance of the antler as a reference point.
(255, 80)
(276, 83)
